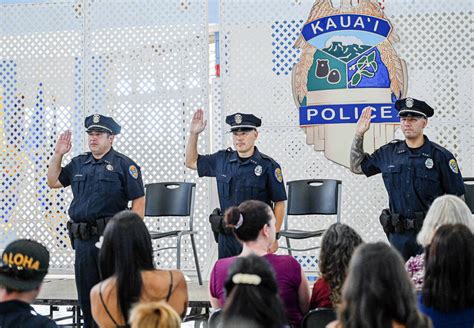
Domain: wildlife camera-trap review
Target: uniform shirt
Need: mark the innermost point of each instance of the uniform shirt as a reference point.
(18, 314)
(414, 178)
(101, 188)
(258, 178)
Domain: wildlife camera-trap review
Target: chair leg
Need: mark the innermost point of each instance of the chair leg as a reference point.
(178, 252)
(288, 245)
(196, 260)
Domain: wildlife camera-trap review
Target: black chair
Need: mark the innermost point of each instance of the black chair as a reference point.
(173, 199)
(469, 195)
(318, 318)
(214, 319)
(313, 196)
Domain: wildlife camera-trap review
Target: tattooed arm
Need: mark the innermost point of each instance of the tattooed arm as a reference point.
(357, 154)
(357, 148)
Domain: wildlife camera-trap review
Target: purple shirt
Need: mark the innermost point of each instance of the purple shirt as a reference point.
(288, 276)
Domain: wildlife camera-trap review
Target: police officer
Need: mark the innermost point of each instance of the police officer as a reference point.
(415, 171)
(241, 174)
(103, 181)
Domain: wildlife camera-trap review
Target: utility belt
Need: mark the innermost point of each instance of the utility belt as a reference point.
(85, 231)
(216, 219)
(393, 222)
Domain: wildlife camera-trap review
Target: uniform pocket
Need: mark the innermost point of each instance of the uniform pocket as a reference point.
(109, 182)
(427, 182)
(392, 176)
(255, 187)
(78, 184)
(223, 185)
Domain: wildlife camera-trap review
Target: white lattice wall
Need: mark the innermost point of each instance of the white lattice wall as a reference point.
(257, 54)
(143, 62)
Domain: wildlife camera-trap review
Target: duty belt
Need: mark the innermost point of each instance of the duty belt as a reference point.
(85, 231)
(393, 222)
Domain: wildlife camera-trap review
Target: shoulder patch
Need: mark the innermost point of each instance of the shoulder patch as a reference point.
(278, 175)
(132, 169)
(453, 165)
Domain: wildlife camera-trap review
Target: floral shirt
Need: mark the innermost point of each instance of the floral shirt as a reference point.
(415, 267)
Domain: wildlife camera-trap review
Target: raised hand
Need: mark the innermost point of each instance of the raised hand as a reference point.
(63, 145)
(364, 121)
(198, 124)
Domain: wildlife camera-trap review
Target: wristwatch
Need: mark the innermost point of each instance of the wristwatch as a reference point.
(277, 235)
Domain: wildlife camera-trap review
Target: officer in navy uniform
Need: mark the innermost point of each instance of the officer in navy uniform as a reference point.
(241, 174)
(415, 171)
(103, 181)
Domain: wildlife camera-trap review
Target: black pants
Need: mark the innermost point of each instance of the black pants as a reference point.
(228, 245)
(405, 242)
(86, 268)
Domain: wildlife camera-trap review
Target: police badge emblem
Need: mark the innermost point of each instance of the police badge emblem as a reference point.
(109, 167)
(347, 63)
(429, 163)
(96, 118)
(409, 102)
(238, 118)
(258, 170)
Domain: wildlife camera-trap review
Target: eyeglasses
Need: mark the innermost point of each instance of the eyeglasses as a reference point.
(21, 272)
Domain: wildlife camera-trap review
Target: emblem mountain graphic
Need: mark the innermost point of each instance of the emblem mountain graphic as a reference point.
(345, 52)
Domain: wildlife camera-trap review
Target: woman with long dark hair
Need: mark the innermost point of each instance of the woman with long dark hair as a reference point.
(253, 223)
(377, 292)
(338, 243)
(448, 290)
(252, 295)
(129, 275)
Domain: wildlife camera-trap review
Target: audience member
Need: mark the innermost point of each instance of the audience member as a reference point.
(253, 223)
(126, 264)
(447, 209)
(338, 243)
(154, 315)
(377, 292)
(24, 265)
(253, 300)
(448, 291)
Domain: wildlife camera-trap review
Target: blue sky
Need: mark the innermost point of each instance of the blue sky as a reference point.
(213, 7)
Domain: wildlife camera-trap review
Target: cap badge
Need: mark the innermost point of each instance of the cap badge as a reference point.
(96, 118)
(409, 102)
(258, 170)
(429, 163)
(238, 118)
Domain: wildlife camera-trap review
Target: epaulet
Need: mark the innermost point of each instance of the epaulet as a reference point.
(127, 159)
(268, 158)
(229, 149)
(394, 141)
(87, 153)
(441, 149)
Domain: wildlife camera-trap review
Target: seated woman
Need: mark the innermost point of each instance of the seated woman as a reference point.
(377, 292)
(126, 264)
(448, 291)
(447, 209)
(338, 244)
(253, 223)
(253, 299)
(153, 315)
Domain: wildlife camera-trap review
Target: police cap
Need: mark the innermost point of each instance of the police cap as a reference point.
(101, 123)
(414, 107)
(243, 122)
